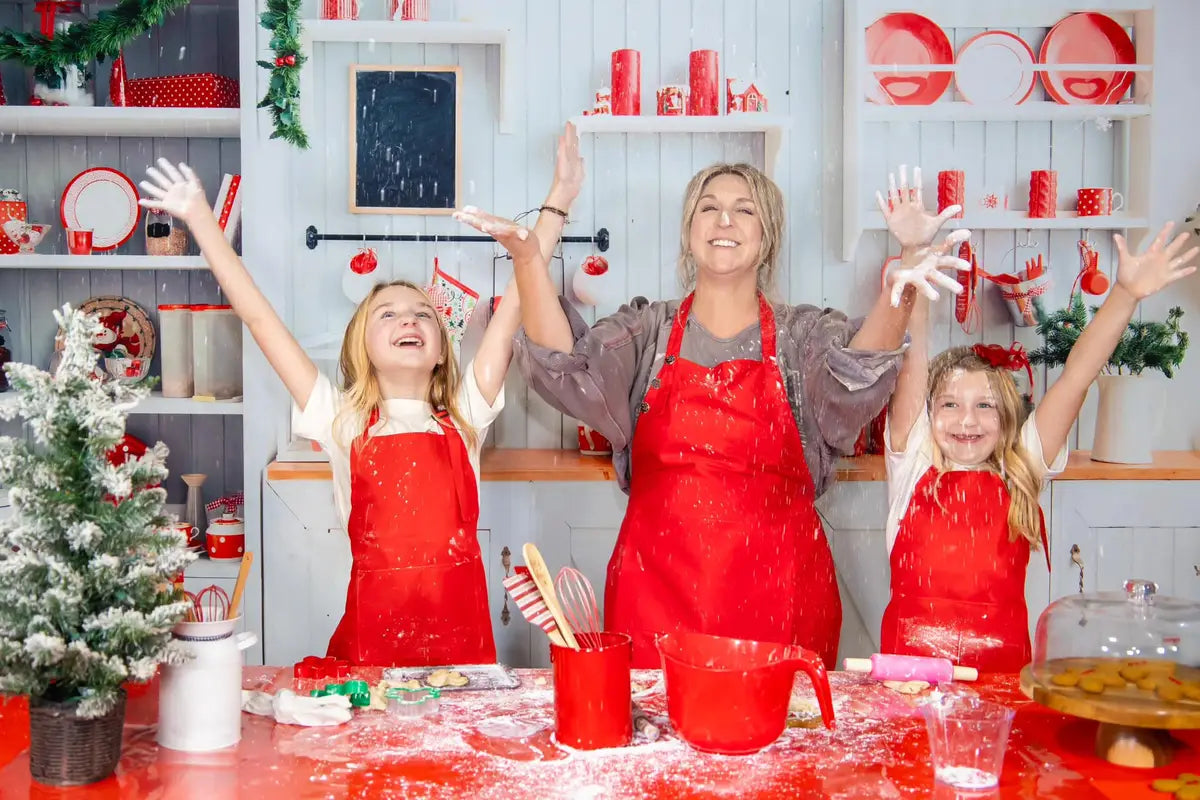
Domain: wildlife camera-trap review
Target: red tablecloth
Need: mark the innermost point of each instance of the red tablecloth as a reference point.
(879, 750)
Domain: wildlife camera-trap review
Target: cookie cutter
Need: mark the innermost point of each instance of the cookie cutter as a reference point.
(321, 668)
(358, 691)
(413, 702)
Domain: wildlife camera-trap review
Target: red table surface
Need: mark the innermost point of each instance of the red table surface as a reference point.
(879, 750)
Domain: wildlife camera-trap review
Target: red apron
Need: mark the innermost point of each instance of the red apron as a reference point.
(418, 593)
(958, 580)
(721, 535)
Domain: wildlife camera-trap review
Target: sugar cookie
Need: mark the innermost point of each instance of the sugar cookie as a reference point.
(1092, 684)
(1170, 690)
(455, 678)
(1068, 678)
(1190, 791)
(437, 678)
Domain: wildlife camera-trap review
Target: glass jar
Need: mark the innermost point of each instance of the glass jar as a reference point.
(216, 353)
(175, 341)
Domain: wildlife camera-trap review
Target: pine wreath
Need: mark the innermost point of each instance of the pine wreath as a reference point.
(282, 19)
(85, 42)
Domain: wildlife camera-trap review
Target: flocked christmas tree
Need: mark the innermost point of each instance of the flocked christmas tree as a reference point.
(1143, 345)
(87, 560)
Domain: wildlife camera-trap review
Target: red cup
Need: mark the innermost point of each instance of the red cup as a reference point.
(951, 190)
(79, 241)
(626, 83)
(593, 702)
(703, 77)
(593, 443)
(1043, 193)
(1098, 201)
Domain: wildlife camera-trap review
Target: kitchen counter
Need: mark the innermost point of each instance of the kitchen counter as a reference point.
(506, 464)
(879, 750)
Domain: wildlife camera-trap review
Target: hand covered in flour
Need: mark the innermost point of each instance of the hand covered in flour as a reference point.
(921, 267)
(1158, 266)
(176, 191)
(905, 214)
(520, 242)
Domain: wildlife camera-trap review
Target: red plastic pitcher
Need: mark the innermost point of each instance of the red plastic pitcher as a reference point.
(730, 696)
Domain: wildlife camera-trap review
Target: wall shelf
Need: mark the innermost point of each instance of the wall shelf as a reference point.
(772, 126)
(114, 261)
(1044, 111)
(388, 32)
(200, 123)
(157, 404)
(1016, 220)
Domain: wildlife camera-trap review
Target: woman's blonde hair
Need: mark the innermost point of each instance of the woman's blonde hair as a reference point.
(360, 386)
(768, 201)
(1010, 459)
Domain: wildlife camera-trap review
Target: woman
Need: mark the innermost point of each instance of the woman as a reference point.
(728, 413)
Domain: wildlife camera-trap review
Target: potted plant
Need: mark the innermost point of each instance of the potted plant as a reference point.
(87, 561)
(1125, 427)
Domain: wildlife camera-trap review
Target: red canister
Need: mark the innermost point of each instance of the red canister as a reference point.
(1043, 193)
(703, 75)
(626, 83)
(951, 190)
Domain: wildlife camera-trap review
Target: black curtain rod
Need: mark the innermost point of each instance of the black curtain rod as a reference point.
(311, 237)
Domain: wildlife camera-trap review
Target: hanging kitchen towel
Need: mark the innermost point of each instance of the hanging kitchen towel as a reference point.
(454, 300)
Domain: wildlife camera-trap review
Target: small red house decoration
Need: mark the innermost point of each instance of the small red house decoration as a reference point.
(742, 97)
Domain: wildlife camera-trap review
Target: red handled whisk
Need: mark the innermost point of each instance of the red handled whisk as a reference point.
(579, 605)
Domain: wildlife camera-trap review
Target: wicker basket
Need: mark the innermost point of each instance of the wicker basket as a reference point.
(67, 750)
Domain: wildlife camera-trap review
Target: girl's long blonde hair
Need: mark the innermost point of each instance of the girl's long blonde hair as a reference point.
(1010, 459)
(360, 387)
(768, 201)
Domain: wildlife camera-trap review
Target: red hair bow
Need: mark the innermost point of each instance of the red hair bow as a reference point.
(1014, 358)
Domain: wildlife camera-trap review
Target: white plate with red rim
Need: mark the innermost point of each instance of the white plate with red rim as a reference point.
(105, 201)
(995, 68)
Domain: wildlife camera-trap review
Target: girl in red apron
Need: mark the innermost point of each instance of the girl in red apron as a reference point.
(403, 433)
(966, 466)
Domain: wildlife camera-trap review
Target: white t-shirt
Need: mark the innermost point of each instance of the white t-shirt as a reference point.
(905, 469)
(402, 416)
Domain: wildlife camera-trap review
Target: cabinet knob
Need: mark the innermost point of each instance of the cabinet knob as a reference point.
(1077, 560)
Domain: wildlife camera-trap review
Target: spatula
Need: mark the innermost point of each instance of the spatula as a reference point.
(529, 600)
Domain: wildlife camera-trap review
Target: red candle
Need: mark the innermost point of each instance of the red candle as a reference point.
(951, 190)
(703, 76)
(1043, 193)
(627, 83)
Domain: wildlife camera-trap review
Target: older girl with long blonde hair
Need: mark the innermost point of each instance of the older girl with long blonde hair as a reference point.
(966, 466)
(403, 432)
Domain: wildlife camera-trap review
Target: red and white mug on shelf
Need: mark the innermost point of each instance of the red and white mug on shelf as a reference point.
(409, 10)
(593, 443)
(1099, 201)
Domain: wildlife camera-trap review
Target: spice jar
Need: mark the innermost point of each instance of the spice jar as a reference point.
(164, 236)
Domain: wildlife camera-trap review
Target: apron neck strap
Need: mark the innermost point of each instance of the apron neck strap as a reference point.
(766, 325)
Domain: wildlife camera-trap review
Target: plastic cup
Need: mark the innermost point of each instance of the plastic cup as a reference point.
(967, 740)
(79, 241)
(593, 702)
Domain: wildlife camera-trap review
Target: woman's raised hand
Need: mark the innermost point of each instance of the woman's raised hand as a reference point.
(175, 191)
(922, 266)
(520, 242)
(905, 214)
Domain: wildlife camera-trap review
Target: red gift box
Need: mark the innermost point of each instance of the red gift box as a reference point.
(201, 90)
(10, 209)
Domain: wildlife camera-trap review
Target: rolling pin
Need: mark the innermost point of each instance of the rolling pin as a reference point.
(886, 667)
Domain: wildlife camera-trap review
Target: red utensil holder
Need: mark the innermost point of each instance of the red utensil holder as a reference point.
(593, 702)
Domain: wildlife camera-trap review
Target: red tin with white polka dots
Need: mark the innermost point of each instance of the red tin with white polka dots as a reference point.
(226, 539)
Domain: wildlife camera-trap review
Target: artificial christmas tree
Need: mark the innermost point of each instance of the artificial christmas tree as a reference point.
(87, 561)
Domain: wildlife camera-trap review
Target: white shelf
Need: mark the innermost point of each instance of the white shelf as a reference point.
(1017, 221)
(201, 123)
(389, 32)
(114, 261)
(1009, 15)
(1026, 112)
(773, 126)
(205, 567)
(157, 404)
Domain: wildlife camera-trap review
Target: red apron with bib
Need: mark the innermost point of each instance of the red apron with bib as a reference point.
(721, 535)
(958, 581)
(418, 592)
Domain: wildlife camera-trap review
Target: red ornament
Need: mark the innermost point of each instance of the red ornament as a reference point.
(35, 101)
(289, 60)
(595, 265)
(279, 61)
(365, 262)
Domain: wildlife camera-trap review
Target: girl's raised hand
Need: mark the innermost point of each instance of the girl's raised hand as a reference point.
(924, 267)
(176, 191)
(1158, 266)
(568, 168)
(905, 214)
(520, 242)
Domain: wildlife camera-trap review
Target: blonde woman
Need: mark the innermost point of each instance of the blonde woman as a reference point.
(403, 432)
(966, 467)
(727, 413)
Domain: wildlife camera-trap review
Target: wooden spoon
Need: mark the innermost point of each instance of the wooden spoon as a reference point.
(545, 584)
(239, 587)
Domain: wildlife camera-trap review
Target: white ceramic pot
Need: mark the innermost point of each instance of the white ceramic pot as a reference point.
(200, 701)
(1127, 418)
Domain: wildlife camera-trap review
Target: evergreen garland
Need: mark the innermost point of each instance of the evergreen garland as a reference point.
(87, 560)
(282, 19)
(85, 42)
(1143, 345)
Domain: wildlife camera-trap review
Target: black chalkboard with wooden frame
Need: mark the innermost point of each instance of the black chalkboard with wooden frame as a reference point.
(404, 139)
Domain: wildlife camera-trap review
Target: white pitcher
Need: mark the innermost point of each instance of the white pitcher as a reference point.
(200, 701)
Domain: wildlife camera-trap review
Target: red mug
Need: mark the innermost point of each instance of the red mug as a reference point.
(1099, 201)
(593, 443)
(593, 701)
(79, 241)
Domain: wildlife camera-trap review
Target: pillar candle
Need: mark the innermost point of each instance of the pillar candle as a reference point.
(951, 190)
(627, 83)
(703, 76)
(1043, 193)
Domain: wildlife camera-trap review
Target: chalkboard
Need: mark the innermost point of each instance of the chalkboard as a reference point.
(404, 139)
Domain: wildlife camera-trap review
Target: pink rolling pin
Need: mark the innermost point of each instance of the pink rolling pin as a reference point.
(884, 667)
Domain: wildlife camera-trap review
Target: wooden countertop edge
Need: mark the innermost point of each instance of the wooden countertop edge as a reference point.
(504, 464)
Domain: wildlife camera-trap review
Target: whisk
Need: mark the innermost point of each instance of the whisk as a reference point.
(210, 604)
(579, 605)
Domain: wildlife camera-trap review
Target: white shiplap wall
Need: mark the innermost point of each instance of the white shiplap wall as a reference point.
(635, 183)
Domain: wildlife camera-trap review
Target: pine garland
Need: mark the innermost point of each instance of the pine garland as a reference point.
(282, 18)
(85, 42)
(88, 558)
(1143, 345)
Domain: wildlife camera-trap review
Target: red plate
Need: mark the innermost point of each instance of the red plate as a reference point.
(907, 38)
(1087, 38)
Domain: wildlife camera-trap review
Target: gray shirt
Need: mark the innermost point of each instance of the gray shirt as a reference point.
(833, 391)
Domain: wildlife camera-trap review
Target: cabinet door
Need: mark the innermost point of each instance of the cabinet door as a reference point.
(854, 514)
